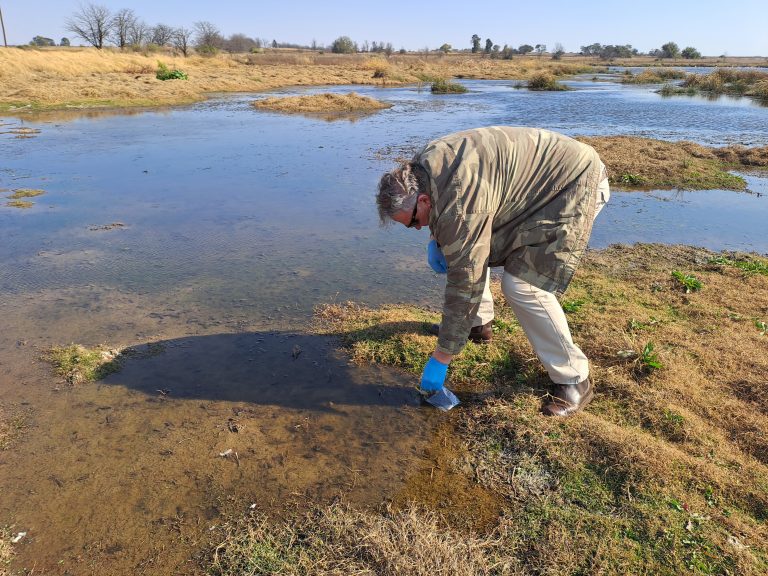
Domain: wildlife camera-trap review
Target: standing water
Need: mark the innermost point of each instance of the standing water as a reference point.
(204, 236)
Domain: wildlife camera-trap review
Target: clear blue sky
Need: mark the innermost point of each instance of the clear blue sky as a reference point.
(714, 27)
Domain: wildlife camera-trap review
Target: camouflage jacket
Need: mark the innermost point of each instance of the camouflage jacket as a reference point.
(521, 198)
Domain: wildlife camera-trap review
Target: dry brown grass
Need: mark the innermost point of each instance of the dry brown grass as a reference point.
(667, 471)
(60, 78)
(634, 161)
(337, 540)
(326, 102)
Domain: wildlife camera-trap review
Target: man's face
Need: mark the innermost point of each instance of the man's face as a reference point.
(415, 217)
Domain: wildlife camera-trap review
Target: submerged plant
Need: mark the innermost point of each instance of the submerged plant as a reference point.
(689, 282)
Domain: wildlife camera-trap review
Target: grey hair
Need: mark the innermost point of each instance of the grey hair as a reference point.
(398, 190)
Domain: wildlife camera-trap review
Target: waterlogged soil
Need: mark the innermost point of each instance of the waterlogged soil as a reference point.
(133, 474)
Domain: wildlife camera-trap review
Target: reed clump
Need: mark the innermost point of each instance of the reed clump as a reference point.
(443, 86)
(728, 81)
(545, 81)
(653, 76)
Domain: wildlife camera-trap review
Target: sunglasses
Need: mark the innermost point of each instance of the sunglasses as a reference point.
(414, 220)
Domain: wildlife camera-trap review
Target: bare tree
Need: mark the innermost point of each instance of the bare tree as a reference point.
(207, 35)
(182, 38)
(138, 33)
(122, 22)
(161, 35)
(92, 23)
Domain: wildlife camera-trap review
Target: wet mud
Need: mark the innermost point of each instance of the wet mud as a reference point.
(133, 474)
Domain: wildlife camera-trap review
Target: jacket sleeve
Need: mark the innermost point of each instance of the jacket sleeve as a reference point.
(465, 242)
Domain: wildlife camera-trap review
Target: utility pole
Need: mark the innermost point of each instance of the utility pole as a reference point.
(2, 24)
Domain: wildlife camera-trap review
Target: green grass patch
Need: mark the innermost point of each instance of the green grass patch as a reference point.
(752, 266)
(78, 364)
(164, 73)
(688, 282)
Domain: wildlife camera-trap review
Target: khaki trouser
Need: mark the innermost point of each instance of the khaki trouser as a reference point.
(543, 320)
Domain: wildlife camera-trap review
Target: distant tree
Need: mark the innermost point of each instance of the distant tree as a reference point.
(366, 47)
(138, 34)
(670, 50)
(403, 51)
(388, 49)
(488, 45)
(274, 43)
(525, 49)
(475, 44)
(208, 38)
(182, 39)
(313, 46)
(540, 49)
(42, 41)
(690, 53)
(64, 41)
(122, 22)
(343, 45)
(162, 34)
(238, 43)
(445, 48)
(592, 50)
(559, 51)
(92, 23)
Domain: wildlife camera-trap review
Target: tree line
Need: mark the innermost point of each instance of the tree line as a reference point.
(98, 26)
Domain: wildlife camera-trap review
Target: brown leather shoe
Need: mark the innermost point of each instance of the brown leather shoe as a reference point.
(478, 334)
(567, 399)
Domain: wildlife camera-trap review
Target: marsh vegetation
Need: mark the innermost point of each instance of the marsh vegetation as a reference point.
(665, 473)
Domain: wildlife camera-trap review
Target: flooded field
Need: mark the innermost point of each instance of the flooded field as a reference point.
(204, 236)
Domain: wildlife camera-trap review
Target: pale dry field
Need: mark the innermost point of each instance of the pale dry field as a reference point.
(63, 78)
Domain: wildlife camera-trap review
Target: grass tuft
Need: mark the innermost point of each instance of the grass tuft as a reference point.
(25, 193)
(339, 540)
(78, 364)
(443, 86)
(164, 73)
(545, 81)
(326, 102)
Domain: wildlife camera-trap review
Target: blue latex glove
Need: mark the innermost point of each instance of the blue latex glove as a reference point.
(435, 258)
(433, 377)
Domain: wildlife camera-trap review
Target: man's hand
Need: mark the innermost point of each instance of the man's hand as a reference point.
(433, 377)
(435, 258)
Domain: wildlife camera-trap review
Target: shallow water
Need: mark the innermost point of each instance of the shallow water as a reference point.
(235, 223)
